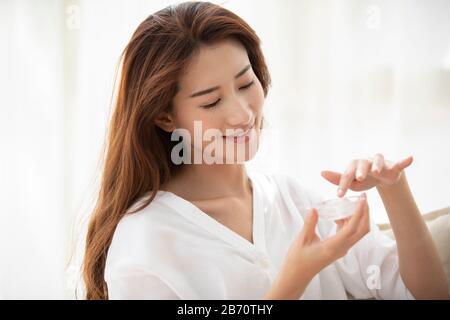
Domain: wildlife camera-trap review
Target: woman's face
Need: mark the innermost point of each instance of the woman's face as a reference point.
(219, 90)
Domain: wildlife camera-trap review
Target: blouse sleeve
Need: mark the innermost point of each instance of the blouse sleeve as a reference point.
(138, 287)
(131, 268)
(370, 268)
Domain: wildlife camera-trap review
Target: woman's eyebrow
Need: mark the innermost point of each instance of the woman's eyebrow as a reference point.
(206, 91)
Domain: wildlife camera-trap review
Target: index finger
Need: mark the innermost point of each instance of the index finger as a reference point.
(346, 179)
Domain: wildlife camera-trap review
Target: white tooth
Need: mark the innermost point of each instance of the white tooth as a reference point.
(244, 133)
(238, 135)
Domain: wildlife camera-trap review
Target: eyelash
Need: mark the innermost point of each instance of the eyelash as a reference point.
(212, 105)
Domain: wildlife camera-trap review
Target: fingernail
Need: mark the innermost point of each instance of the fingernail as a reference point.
(340, 192)
(359, 175)
(363, 195)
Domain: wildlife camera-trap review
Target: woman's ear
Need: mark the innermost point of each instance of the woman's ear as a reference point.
(165, 122)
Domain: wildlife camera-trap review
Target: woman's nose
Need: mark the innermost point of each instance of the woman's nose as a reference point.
(239, 114)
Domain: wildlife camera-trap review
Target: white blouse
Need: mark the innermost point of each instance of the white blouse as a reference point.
(173, 250)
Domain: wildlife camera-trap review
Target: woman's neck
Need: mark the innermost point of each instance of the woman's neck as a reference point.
(202, 181)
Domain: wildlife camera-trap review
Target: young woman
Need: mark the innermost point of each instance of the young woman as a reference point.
(170, 229)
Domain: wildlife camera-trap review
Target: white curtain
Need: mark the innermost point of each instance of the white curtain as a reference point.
(350, 78)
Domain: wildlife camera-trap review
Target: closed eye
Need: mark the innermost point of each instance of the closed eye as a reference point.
(247, 86)
(211, 105)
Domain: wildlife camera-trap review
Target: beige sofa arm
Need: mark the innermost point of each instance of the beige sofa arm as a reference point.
(438, 223)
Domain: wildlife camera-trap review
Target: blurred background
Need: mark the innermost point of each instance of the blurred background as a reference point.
(350, 79)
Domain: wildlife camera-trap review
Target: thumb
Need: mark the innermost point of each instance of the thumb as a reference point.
(310, 222)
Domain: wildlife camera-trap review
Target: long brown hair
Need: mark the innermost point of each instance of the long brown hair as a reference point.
(137, 155)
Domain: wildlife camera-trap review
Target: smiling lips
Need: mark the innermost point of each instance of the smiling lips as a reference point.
(242, 137)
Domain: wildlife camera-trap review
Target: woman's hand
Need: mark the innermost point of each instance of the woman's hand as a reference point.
(309, 254)
(364, 174)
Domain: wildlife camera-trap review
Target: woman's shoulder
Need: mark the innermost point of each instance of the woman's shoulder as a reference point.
(142, 231)
(147, 208)
(144, 221)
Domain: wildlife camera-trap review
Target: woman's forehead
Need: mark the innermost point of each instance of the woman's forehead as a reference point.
(212, 64)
